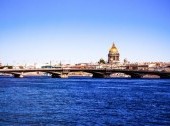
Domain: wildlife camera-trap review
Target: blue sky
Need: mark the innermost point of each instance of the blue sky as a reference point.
(71, 31)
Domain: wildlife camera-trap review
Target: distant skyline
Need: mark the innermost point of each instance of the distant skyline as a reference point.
(73, 31)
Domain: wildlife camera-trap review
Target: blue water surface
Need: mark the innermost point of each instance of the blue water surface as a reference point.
(49, 101)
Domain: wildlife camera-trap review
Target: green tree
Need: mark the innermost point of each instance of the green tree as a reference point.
(101, 61)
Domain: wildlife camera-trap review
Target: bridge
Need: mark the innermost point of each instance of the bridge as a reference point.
(96, 73)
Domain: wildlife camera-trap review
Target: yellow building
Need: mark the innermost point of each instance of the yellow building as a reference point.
(113, 56)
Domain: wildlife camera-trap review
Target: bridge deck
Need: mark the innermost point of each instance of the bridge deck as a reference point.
(93, 71)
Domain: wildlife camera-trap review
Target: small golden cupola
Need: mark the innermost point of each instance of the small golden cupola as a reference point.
(113, 56)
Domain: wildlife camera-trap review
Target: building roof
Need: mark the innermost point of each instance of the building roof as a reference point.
(113, 49)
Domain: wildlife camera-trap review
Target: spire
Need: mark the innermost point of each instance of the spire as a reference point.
(113, 45)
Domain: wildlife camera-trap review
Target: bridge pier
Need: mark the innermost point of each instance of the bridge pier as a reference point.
(64, 75)
(107, 75)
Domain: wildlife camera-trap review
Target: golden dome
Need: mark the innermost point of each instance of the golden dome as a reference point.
(113, 49)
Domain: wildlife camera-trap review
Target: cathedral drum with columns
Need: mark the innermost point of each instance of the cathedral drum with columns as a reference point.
(113, 56)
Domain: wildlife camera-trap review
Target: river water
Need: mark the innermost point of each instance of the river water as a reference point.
(86, 102)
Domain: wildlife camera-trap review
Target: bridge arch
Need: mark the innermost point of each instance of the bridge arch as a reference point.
(17, 75)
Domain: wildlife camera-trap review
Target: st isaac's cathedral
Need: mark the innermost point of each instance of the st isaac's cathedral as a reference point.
(113, 56)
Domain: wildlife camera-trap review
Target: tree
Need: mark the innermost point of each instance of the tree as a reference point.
(101, 61)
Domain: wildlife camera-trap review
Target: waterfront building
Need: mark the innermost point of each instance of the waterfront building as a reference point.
(113, 56)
